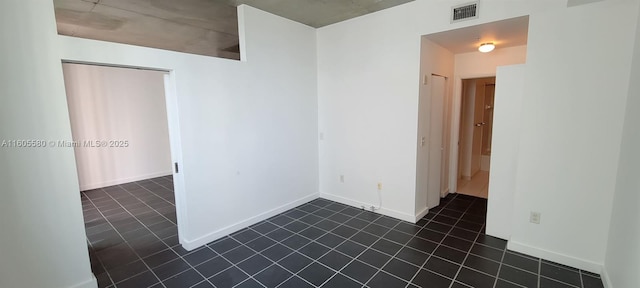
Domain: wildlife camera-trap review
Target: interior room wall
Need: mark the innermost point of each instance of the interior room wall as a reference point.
(125, 107)
(368, 98)
(622, 261)
(477, 64)
(474, 65)
(506, 136)
(468, 101)
(564, 105)
(248, 128)
(43, 239)
(434, 59)
(363, 77)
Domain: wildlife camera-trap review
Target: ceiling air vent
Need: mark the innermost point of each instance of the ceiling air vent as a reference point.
(464, 12)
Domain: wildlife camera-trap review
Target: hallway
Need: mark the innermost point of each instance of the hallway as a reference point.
(478, 186)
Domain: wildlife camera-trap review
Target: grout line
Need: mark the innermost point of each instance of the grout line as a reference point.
(468, 252)
(151, 232)
(152, 208)
(108, 199)
(504, 252)
(91, 245)
(127, 243)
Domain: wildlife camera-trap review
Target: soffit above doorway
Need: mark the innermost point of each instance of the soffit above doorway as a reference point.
(504, 33)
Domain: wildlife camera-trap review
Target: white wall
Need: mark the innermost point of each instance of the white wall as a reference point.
(248, 129)
(368, 68)
(622, 261)
(573, 110)
(506, 136)
(118, 104)
(368, 71)
(43, 240)
(470, 66)
(478, 65)
(467, 105)
(434, 59)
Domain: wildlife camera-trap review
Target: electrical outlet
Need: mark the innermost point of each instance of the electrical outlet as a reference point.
(379, 185)
(342, 178)
(534, 217)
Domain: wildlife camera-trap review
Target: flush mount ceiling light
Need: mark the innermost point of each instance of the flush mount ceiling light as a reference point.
(486, 47)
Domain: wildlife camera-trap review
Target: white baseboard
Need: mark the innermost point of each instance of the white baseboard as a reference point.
(606, 280)
(198, 242)
(112, 182)
(571, 261)
(91, 283)
(421, 214)
(358, 204)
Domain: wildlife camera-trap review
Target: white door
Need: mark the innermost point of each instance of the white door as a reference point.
(438, 90)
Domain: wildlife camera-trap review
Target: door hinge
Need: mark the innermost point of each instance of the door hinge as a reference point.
(175, 165)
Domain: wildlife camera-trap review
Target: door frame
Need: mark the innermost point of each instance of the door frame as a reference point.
(456, 113)
(431, 194)
(175, 141)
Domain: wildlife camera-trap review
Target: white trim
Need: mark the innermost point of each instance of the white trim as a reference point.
(91, 283)
(606, 280)
(456, 109)
(91, 186)
(421, 214)
(242, 32)
(175, 143)
(358, 204)
(571, 261)
(198, 242)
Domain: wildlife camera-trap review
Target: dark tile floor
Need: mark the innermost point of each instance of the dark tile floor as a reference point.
(132, 234)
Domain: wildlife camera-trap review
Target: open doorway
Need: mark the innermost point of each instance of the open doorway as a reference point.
(122, 146)
(476, 123)
(454, 54)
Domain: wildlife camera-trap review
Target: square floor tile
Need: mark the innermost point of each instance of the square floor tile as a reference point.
(213, 266)
(276, 252)
(359, 271)
(475, 279)
(261, 243)
(518, 276)
(314, 250)
(571, 277)
(228, 278)
(341, 281)
(184, 279)
(335, 260)
(412, 256)
(374, 258)
(482, 264)
(384, 280)
(295, 262)
(272, 276)
(387, 247)
(443, 267)
(401, 269)
(316, 274)
(295, 282)
(254, 264)
(426, 278)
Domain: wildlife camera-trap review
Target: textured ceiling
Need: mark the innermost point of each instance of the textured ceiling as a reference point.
(205, 27)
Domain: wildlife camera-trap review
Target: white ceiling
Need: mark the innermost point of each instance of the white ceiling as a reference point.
(504, 33)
